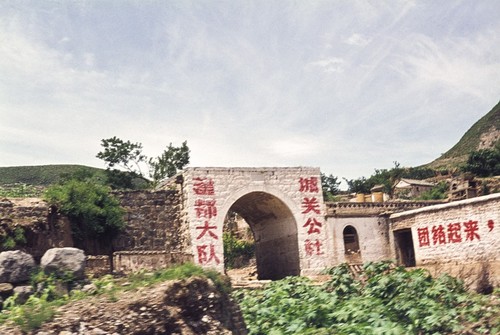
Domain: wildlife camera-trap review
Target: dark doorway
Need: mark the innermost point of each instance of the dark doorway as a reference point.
(351, 245)
(275, 234)
(405, 251)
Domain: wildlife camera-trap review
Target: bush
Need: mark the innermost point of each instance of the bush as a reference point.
(237, 252)
(92, 210)
(385, 299)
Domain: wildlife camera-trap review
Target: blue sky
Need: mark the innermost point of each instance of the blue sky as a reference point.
(347, 86)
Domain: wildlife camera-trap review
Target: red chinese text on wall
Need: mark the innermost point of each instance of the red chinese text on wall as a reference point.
(310, 205)
(457, 232)
(206, 231)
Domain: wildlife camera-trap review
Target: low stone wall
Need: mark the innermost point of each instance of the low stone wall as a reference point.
(131, 261)
(98, 265)
(357, 209)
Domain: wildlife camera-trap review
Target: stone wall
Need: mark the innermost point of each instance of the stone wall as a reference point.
(452, 235)
(43, 227)
(132, 261)
(153, 222)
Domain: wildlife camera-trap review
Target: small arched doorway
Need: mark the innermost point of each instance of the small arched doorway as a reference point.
(275, 234)
(352, 251)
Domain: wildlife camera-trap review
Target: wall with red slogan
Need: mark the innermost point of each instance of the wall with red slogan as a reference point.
(283, 206)
(460, 232)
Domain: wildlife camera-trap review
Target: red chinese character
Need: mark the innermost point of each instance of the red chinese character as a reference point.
(310, 205)
(313, 247)
(491, 225)
(203, 186)
(470, 230)
(438, 235)
(423, 237)
(203, 258)
(313, 225)
(454, 233)
(205, 208)
(207, 229)
(309, 184)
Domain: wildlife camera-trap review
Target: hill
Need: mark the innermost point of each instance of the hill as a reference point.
(484, 134)
(41, 175)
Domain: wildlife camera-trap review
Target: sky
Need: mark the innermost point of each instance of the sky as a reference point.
(349, 86)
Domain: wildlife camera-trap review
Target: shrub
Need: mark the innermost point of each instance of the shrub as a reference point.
(237, 252)
(92, 210)
(385, 299)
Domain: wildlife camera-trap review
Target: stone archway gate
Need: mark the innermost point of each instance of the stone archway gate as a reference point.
(284, 207)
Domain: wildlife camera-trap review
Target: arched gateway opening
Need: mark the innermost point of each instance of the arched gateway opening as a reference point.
(275, 233)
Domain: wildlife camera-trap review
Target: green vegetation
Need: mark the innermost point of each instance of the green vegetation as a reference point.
(52, 292)
(11, 237)
(129, 157)
(484, 163)
(438, 192)
(20, 191)
(384, 300)
(330, 186)
(388, 178)
(92, 210)
(43, 175)
(237, 252)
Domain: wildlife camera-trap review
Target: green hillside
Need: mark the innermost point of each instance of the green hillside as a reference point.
(40, 175)
(484, 134)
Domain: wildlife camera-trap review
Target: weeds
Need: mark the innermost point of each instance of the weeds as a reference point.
(52, 291)
(385, 299)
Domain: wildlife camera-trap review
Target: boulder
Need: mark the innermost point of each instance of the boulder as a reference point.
(6, 290)
(16, 266)
(63, 260)
(23, 293)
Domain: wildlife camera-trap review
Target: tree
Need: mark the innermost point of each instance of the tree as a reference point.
(129, 158)
(484, 163)
(330, 186)
(92, 210)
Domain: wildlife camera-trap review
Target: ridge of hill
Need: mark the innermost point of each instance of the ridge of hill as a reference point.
(484, 134)
(41, 175)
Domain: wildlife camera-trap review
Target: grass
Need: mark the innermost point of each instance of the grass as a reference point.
(41, 175)
(42, 307)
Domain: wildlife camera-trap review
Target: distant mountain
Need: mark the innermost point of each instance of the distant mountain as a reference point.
(484, 134)
(40, 175)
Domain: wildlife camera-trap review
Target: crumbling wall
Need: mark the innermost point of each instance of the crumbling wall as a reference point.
(43, 227)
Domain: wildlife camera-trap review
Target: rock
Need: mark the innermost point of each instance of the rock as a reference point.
(23, 293)
(61, 260)
(16, 266)
(6, 290)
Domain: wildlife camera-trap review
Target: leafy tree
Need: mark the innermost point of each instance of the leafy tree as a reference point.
(360, 185)
(128, 157)
(92, 210)
(484, 163)
(387, 178)
(440, 191)
(330, 186)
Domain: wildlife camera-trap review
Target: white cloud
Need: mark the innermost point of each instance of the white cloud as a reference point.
(328, 65)
(245, 84)
(357, 40)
